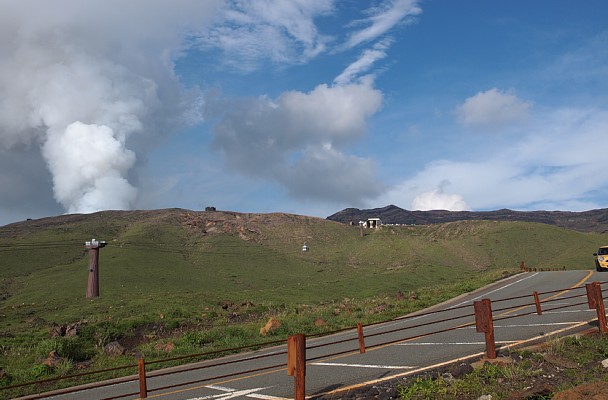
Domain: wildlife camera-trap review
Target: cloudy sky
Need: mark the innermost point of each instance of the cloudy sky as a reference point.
(302, 106)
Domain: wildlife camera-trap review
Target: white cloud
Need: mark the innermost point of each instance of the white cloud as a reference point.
(587, 64)
(382, 19)
(554, 166)
(249, 32)
(323, 173)
(296, 139)
(492, 109)
(363, 63)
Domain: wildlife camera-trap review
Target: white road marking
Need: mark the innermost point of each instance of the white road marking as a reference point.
(233, 393)
(266, 397)
(564, 312)
(400, 321)
(222, 388)
(383, 326)
(526, 325)
(547, 324)
(363, 365)
(493, 291)
(452, 343)
(229, 395)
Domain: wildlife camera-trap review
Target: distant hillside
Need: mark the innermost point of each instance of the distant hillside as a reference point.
(585, 221)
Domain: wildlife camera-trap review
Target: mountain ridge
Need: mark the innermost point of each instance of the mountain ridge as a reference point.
(582, 221)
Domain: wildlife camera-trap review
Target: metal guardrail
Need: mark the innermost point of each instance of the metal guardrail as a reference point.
(296, 344)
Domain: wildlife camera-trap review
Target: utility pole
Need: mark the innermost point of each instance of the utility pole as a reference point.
(93, 285)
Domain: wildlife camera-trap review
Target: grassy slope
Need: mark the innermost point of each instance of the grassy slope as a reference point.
(156, 263)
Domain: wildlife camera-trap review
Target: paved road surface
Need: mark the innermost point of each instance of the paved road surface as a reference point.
(406, 354)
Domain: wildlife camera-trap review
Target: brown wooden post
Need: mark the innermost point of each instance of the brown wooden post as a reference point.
(296, 364)
(539, 311)
(143, 387)
(485, 324)
(595, 300)
(361, 338)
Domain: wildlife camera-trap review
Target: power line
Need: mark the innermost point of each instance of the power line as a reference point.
(213, 248)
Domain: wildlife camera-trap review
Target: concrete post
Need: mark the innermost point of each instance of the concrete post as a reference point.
(93, 283)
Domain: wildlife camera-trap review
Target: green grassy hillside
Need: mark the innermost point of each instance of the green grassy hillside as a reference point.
(209, 257)
(193, 269)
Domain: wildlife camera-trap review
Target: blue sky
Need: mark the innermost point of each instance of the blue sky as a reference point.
(307, 106)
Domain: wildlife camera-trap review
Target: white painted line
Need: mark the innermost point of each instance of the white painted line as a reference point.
(524, 325)
(495, 290)
(384, 326)
(564, 312)
(453, 343)
(363, 365)
(266, 397)
(222, 388)
(547, 324)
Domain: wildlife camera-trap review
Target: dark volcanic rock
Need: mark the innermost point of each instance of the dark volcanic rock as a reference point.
(584, 221)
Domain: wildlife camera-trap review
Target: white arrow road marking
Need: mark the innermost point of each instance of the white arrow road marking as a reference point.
(363, 365)
(233, 393)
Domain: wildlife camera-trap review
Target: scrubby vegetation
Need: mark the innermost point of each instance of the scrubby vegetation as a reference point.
(541, 372)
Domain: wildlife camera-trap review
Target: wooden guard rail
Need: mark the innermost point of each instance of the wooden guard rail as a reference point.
(296, 344)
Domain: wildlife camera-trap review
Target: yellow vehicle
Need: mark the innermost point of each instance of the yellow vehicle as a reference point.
(601, 259)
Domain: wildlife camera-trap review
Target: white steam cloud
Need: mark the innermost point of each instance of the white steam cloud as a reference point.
(439, 200)
(88, 163)
(79, 79)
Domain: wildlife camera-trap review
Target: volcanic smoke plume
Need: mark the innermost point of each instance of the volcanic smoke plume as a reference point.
(82, 81)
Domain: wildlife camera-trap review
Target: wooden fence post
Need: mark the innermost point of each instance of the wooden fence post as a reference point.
(539, 311)
(361, 338)
(141, 369)
(595, 299)
(485, 324)
(296, 364)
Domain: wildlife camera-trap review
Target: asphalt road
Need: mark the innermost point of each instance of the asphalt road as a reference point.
(393, 349)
